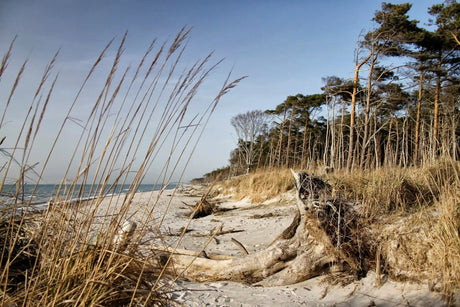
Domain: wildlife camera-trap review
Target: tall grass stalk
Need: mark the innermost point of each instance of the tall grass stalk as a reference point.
(61, 256)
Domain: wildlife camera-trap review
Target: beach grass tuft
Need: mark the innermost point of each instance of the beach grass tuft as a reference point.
(60, 255)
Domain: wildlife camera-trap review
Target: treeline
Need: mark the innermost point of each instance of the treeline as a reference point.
(400, 115)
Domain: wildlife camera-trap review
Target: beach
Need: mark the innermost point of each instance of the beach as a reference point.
(255, 226)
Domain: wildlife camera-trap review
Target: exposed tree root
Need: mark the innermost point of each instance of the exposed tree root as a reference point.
(324, 234)
(308, 253)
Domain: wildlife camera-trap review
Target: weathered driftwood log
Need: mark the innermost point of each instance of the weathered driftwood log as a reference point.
(285, 262)
(323, 234)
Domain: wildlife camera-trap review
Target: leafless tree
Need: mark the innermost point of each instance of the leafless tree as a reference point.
(249, 126)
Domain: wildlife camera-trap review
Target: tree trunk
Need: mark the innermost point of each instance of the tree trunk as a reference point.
(352, 112)
(376, 144)
(322, 236)
(288, 149)
(417, 121)
(341, 146)
(453, 136)
(288, 261)
(387, 148)
(280, 144)
(333, 138)
(397, 146)
(304, 145)
(366, 114)
(437, 94)
(326, 143)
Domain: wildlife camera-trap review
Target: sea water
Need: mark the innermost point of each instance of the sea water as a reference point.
(43, 193)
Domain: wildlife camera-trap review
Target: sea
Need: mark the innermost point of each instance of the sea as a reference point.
(31, 194)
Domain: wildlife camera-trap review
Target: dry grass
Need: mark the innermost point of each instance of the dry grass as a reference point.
(258, 186)
(60, 256)
(424, 246)
(410, 217)
(446, 240)
(384, 190)
(414, 217)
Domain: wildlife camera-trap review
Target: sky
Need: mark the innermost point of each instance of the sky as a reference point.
(283, 47)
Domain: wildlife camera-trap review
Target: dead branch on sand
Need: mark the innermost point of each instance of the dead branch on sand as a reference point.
(323, 234)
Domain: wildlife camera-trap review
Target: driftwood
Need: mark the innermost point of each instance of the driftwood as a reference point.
(322, 236)
(240, 246)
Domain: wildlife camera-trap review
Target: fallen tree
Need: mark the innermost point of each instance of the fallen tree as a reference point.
(324, 236)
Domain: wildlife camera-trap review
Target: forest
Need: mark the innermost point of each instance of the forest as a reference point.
(400, 108)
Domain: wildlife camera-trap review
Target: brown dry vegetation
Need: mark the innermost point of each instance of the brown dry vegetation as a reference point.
(55, 256)
(258, 186)
(410, 217)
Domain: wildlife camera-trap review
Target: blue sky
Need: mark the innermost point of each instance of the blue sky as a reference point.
(284, 47)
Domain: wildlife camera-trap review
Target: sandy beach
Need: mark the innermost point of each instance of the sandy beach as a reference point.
(255, 226)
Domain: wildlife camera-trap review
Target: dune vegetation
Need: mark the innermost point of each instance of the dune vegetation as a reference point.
(54, 256)
(409, 218)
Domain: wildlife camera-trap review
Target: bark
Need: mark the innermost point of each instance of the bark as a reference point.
(417, 121)
(326, 144)
(322, 237)
(304, 145)
(285, 262)
(366, 114)
(437, 94)
(352, 112)
(288, 149)
(387, 148)
(341, 140)
(454, 136)
(280, 142)
(333, 138)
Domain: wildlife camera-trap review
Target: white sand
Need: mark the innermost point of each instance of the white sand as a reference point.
(255, 232)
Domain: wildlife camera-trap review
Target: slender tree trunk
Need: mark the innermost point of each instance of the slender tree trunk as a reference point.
(304, 144)
(296, 144)
(261, 150)
(396, 161)
(333, 138)
(405, 150)
(453, 136)
(417, 121)
(342, 143)
(387, 147)
(437, 94)
(444, 140)
(288, 149)
(309, 151)
(366, 114)
(326, 143)
(376, 144)
(352, 112)
(280, 144)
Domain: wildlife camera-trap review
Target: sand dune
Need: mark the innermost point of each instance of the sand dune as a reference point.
(255, 226)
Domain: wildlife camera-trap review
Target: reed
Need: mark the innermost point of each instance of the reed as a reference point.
(61, 256)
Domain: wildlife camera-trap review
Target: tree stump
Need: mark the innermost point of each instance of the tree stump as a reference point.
(325, 233)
